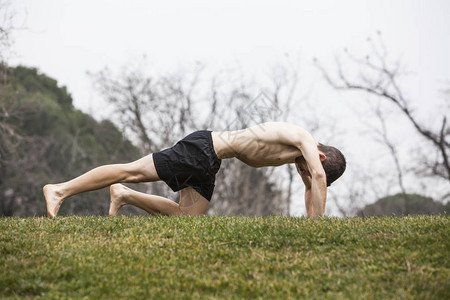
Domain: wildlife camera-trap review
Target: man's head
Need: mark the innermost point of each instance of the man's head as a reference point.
(334, 162)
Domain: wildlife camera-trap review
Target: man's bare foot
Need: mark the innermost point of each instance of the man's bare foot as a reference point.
(53, 198)
(118, 194)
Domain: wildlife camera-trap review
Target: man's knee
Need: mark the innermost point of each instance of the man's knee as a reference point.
(192, 203)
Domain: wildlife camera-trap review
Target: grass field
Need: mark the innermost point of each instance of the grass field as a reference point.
(225, 258)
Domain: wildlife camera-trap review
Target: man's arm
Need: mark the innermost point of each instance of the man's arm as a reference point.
(307, 181)
(303, 140)
(318, 178)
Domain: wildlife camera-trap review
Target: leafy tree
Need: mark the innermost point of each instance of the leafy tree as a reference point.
(404, 204)
(43, 139)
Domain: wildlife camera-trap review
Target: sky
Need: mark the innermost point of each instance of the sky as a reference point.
(66, 39)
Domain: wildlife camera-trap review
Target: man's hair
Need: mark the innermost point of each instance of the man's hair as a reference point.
(335, 163)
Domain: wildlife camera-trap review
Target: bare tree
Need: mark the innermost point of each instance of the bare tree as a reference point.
(6, 26)
(285, 83)
(159, 110)
(380, 78)
(385, 140)
(243, 190)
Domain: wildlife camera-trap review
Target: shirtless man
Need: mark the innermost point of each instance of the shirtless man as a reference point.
(190, 167)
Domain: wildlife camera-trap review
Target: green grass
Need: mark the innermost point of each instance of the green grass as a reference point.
(225, 257)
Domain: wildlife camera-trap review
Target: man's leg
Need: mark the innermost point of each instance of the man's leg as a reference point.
(142, 170)
(191, 202)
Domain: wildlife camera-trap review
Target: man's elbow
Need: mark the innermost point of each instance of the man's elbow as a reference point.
(319, 175)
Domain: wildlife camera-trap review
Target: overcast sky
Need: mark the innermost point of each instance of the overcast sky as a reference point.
(65, 39)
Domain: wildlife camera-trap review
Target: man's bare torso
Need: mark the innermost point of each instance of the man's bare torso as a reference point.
(259, 146)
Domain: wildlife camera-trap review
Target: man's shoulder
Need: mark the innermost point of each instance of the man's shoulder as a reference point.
(285, 128)
(280, 126)
(283, 132)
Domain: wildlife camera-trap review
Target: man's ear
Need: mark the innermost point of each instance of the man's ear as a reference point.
(322, 156)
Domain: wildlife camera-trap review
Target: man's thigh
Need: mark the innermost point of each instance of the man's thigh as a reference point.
(192, 203)
(144, 169)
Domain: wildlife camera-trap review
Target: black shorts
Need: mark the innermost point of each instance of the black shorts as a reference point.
(192, 162)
